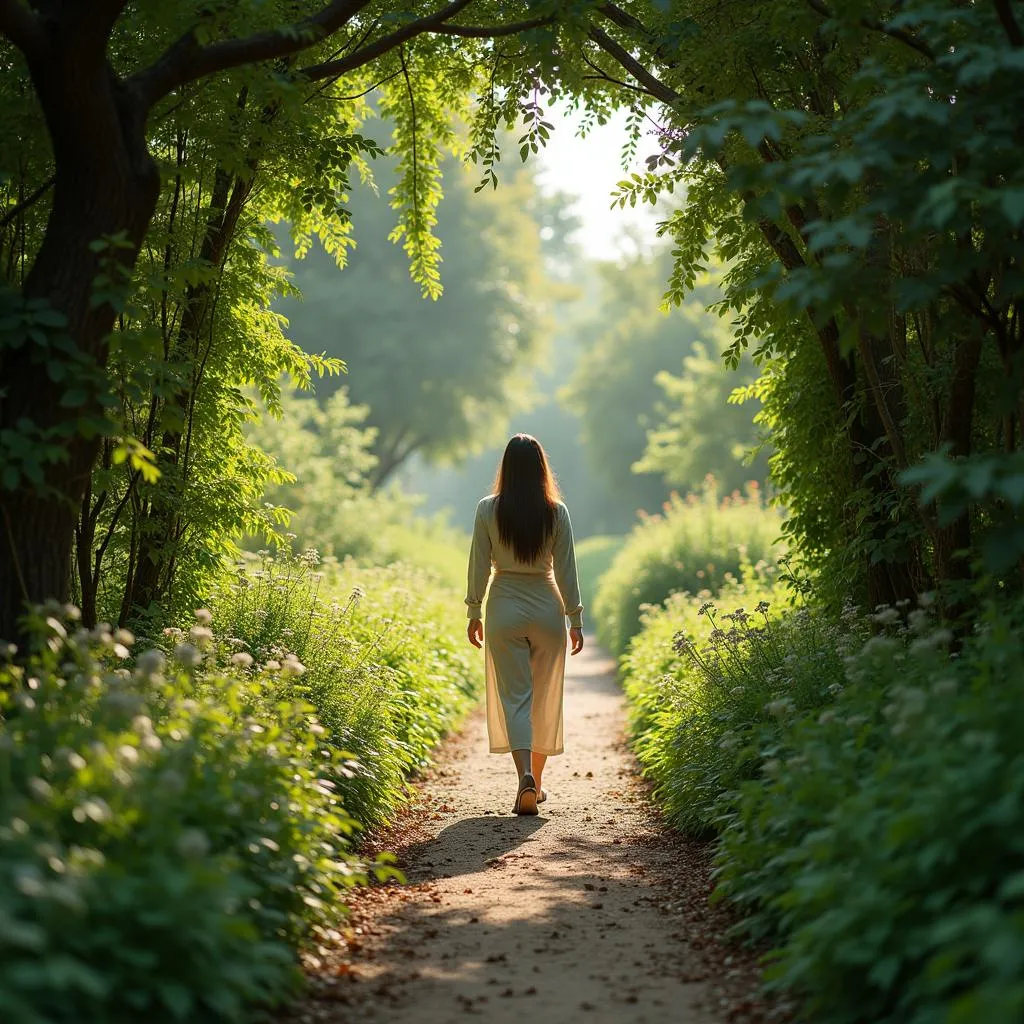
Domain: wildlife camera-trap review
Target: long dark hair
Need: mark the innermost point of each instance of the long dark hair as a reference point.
(527, 497)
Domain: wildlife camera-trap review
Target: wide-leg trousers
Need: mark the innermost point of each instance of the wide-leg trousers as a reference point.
(525, 645)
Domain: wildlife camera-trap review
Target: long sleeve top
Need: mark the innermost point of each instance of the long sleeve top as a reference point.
(557, 557)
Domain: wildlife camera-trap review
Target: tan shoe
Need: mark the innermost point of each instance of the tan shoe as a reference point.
(526, 798)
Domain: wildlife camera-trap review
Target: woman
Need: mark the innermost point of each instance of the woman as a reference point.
(522, 530)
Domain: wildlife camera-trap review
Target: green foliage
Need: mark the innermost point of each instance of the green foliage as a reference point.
(707, 425)
(166, 839)
(594, 556)
(704, 711)
(865, 785)
(614, 387)
(882, 844)
(854, 168)
(323, 451)
(439, 374)
(705, 420)
(695, 544)
(386, 663)
(990, 486)
(171, 833)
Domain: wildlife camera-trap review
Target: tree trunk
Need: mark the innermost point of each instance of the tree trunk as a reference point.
(106, 185)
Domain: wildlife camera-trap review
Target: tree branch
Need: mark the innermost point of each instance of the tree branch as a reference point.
(21, 26)
(16, 211)
(436, 23)
(1009, 22)
(654, 86)
(621, 18)
(874, 25)
(185, 60)
(493, 31)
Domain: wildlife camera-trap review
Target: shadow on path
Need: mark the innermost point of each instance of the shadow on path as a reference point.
(467, 845)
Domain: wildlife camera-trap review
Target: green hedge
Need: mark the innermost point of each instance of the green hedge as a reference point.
(387, 666)
(869, 795)
(174, 827)
(594, 556)
(696, 544)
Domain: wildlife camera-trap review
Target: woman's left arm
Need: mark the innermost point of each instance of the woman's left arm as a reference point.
(565, 571)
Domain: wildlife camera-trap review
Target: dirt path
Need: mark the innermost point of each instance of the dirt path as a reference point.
(566, 917)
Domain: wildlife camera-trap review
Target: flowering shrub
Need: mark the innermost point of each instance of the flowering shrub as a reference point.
(697, 543)
(885, 845)
(867, 783)
(380, 653)
(164, 844)
(704, 711)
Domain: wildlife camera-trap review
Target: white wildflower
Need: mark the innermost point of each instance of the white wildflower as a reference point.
(40, 789)
(94, 809)
(918, 620)
(887, 616)
(151, 662)
(187, 655)
(292, 666)
(204, 616)
(201, 636)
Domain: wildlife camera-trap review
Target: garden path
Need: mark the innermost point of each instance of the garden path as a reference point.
(564, 917)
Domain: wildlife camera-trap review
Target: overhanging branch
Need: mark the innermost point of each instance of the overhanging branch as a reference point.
(438, 24)
(1009, 23)
(652, 85)
(186, 60)
(874, 25)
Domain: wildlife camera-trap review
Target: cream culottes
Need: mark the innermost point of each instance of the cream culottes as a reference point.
(524, 646)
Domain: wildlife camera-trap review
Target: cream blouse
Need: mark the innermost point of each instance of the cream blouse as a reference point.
(558, 557)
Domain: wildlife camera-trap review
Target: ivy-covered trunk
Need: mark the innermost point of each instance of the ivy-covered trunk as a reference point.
(105, 191)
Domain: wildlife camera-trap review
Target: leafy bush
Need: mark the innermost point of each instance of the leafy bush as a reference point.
(386, 663)
(884, 842)
(694, 545)
(702, 714)
(594, 556)
(164, 846)
(868, 787)
(171, 833)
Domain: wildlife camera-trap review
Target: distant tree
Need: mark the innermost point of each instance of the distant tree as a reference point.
(706, 416)
(440, 376)
(613, 388)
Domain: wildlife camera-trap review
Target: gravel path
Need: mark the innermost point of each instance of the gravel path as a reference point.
(565, 917)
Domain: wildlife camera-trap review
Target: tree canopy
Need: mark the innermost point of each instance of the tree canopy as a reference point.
(856, 169)
(147, 145)
(439, 377)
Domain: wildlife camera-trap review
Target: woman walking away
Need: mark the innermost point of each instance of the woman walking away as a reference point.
(523, 533)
